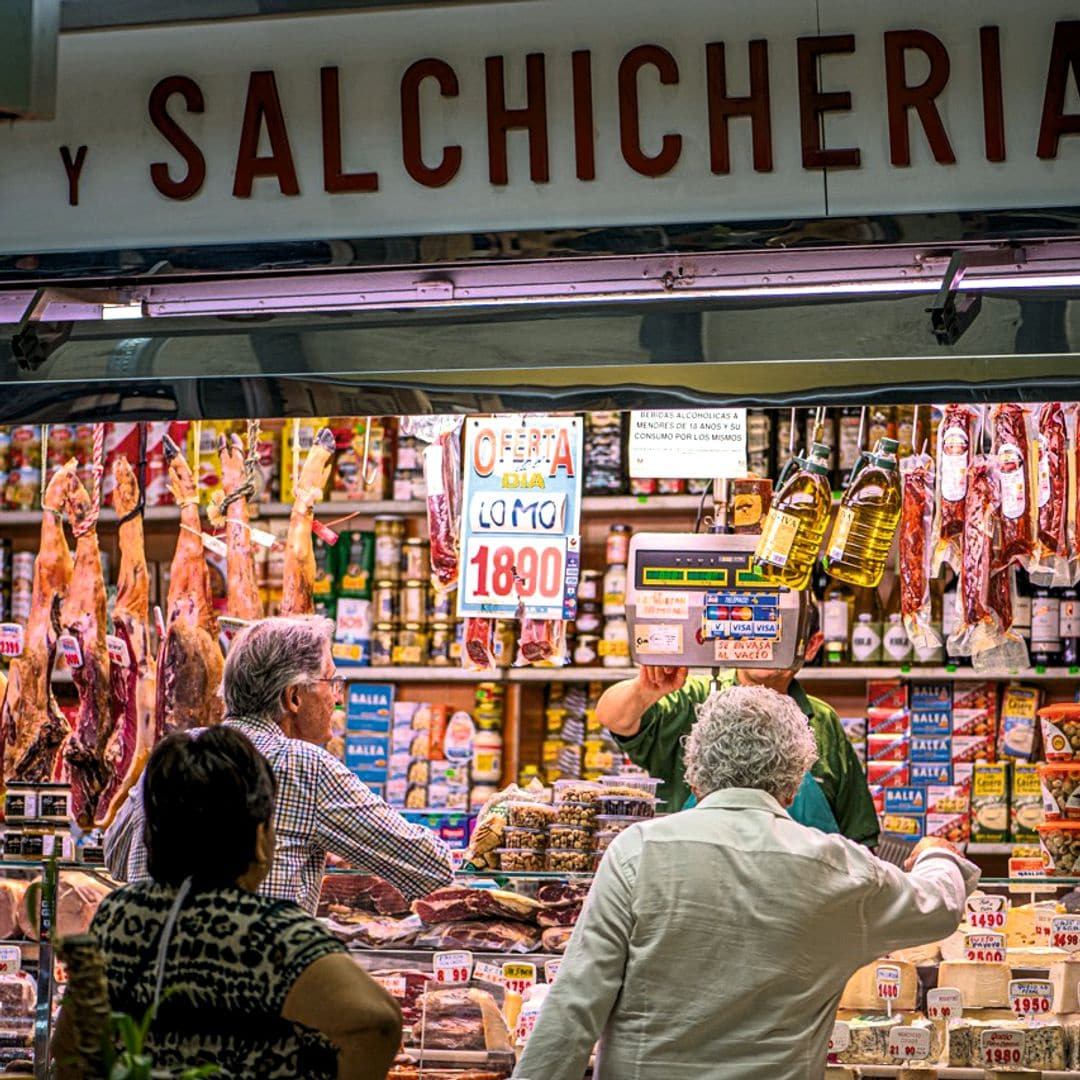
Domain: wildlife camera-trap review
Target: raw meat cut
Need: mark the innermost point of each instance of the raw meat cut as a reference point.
(478, 654)
(84, 617)
(411, 982)
(462, 1019)
(458, 904)
(298, 576)
(559, 916)
(77, 899)
(238, 479)
(556, 938)
(12, 898)
(540, 639)
(32, 726)
(442, 474)
(562, 894)
(412, 1072)
(1012, 450)
(362, 892)
(189, 659)
(495, 935)
(1051, 554)
(134, 685)
(372, 931)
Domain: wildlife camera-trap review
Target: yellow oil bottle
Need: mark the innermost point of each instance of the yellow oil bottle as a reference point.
(792, 534)
(866, 521)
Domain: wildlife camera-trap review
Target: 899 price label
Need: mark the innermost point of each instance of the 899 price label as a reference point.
(1000, 1049)
(909, 1043)
(502, 570)
(452, 967)
(1065, 933)
(519, 977)
(1031, 997)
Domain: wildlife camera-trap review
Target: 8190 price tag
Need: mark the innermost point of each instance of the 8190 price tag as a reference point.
(1000, 1049)
(519, 977)
(1031, 997)
(452, 967)
(909, 1043)
(944, 1003)
(1065, 933)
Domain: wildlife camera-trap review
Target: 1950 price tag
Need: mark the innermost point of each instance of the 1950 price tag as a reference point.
(888, 982)
(840, 1039)
(519, 977)
(909, 1043)
(10, 959)
(944, 1003)
(12, 639)
(1031, 997)
(985, 912)
(1065, 933)
(989, 948)
(452, 967)
(1001, 1049)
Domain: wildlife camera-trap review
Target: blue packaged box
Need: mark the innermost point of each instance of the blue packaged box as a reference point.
(931, 774)
(905, 800)
(931, 748)
(369, 707)
(931, 722)
(367, 756)
(931, 709)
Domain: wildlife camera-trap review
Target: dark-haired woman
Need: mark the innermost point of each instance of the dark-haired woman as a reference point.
(251, 984)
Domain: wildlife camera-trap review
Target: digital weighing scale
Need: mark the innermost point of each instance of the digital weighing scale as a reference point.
(695, 600)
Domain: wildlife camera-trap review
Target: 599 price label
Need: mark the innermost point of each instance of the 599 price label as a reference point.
(1031, 997)
(1065, 933)
(501, 571)
(999, 1049)
(988, 948)
(519, 977)
(452, 967)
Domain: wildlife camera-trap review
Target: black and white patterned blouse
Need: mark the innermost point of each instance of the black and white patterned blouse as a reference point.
(232, 959)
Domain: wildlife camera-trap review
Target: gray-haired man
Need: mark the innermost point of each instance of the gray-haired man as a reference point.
(280, 688)
(717, 941)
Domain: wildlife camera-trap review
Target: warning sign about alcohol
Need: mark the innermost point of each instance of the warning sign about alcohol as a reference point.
(707, 444)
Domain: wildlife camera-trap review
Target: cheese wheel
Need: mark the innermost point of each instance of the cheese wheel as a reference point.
(1036, 956)
(861, 989)
(1020, 923)
(1065, 978)
(981, 985)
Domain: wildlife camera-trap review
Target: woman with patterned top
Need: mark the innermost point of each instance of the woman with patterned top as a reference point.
(251, 984)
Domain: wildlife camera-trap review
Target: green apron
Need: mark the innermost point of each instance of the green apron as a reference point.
(809, 808)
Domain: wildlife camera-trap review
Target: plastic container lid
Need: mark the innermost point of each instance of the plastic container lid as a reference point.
(646, 784)
(572, 791)
(543, 809)
(529, 829)
(615, 822)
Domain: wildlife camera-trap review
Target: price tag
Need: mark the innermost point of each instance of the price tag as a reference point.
(490, 973)
(840, 1039)
(215, 546)
(60, 972)
(1065, 932)
(1031, 997)
(159, 622)
(1044, 918)
(262, 537)
(452, 967)
(12, 639)
(909, 1043)
(551, 970)
(505, 569)
(394, 985)
(519, 977)
(985, 912)
(324, 533)
(70, 650)
(118, 651)
(1000, 1049)
(988, 948)
(888, 983)
(10, 959)
(944, 1003)
(1024, 869)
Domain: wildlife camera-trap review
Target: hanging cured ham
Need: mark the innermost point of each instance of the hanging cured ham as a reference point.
(238, 485)
(31, 724)
(133, 668)
(189, 660)
(83, 617)
(299, 572)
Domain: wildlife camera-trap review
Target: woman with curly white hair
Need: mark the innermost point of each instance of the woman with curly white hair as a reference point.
(716, 942)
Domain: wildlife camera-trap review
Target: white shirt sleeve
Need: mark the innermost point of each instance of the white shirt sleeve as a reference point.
(578, 1006)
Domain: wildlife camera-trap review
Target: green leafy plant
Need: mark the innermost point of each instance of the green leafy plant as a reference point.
(132, 1062)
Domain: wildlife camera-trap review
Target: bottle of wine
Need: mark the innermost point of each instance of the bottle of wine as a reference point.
(1045, 627)
(1070, 626)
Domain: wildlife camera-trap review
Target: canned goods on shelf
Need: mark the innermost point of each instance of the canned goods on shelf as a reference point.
(26, 801)
(32, 841)
(385, 604)
(382, 645)
(413, 605)
(415, 560)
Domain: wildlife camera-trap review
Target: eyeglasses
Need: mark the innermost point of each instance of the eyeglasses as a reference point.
(337, 683)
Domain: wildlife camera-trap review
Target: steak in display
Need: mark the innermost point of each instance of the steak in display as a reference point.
(494, 935)
(560, 894)
(559, 916)
(461, 1019)
(556, 938)
(372, 931)
(361, 892)
(458, 904)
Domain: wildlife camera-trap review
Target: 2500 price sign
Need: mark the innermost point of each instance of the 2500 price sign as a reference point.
(502, 570)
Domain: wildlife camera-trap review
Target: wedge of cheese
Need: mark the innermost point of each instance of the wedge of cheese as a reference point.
(1065, 978)
(981, 985)
(861, 990)
(1020, 923)
(1034, 956)
(920, 954)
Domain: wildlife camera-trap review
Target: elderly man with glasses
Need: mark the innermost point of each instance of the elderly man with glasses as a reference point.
(280, 689)
(716, 942)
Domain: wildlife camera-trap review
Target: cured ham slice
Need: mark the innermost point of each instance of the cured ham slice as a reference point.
(33, 727)
(83, 616)
(133, 684)
(189, 661)
(238, 484)
(299, 572)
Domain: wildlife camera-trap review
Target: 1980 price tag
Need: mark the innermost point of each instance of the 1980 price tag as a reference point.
(840, 1039)
(519, 977)
(1031, 997)
(10, 959)
(1065, 932)
(888, 982)
(452, 967)
(944, 1003)
(985, 912)
(989, 948)
(909, 1043)
(1001, 1049)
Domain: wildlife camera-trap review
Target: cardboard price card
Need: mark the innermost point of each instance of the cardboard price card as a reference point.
(519, 977)
(394, 985)
(944, 1003)
(1000, 1049)
(1044, 919)
(909, 1043)
(1031, 997)
(70, 650)
(10, 959)
(452, 967)
(1065, 933)
(888, 982)
(840, 1039)
(489, 973)
(985, 912)
(988, 948)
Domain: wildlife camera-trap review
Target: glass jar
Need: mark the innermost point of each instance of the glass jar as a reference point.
(615, 590)
(415, 561)
(442, 640)
(618, 544)
(589, 585)
(384, 602)
(589, 619)
(411, 645)
(382, 645)
(414, 602)
(615, 648)
(389, 538)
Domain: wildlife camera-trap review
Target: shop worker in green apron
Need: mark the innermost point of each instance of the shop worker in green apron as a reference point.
(651, 714)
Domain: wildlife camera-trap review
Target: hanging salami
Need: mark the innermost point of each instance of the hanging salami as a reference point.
(1012, 451)
(916, 549)
(955, 436)
(1051, 562)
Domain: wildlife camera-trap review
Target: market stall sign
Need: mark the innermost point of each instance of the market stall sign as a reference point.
(985, 948)
(394, 985)
(700, 443)
(12, 639)
(944, 1003)
(1001, 1049)
(1031, 997)
(452, 967)
(1065, 933)
(519, 976)
(521, 513)
(985, 912)
(909, 1043)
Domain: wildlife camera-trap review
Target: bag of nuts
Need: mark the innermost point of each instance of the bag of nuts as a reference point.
(1061, 731)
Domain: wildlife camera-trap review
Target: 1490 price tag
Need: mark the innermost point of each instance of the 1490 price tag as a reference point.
(452, 967)
(1065, 933)
(909, 1043)
(989, 948)
(985, 912)
(519, 977)
(944, 1003)
(1000, 1049)
(1031, 997)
